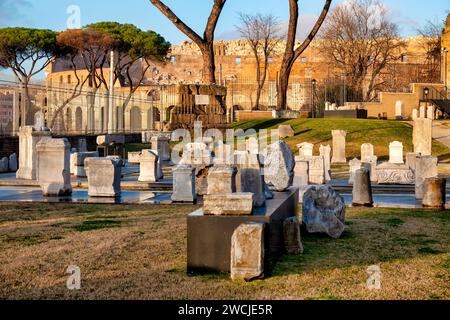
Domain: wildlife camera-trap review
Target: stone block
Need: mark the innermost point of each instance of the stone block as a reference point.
(323, 211)
(234, 204)
(305, 150)
(367, 151)
(292, 237)
(389, 173)
(355, 165)
(247, 252)
(134, 157)
(362, 189)
(104, 175)
(13, 165)
(4, 165)
(161, 145)
(252, 178)
(77, 162)
(148, 166)
(222, 179)
(28, 140)
(396, 153)
(411, 160)
(339, 142)
(423, 136)
(317, 170)
(53, 166)
(426, 167)
(301, 172)
(325, 152)
(434, 193)
(286, 131)
(184, 184)
(279, 164)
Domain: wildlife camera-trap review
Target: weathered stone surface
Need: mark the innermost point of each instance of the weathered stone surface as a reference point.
(389, 173)
(224, 154)
(286, 131)
(339, 141)
(13, 165)
(362, 189)
(252, 178)
(148, 166)
(324, 211)
(426, 167)
(396, 153)
(28, 139)
(4, 165)
(430, 112)
(305, 150)
(222, 179)
(134, 157)
(77, 162)
(108, 139)
(279, 166)
(411, 159)
(422, 112)
(301, 172)
(104, 176)
(367, 151)
(184, 184)
(325, 152)
(247, 252)
(161, 145)
(235, 204)
(317, 170)
(434, 195)
(252, 145)
(371, 164)
(292, 237)
(355, 165)
(159, 172)
(415, 114)
(53, 166)
(196, 154)
(423, 136)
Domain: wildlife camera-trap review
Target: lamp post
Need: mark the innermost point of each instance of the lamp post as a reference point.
(426, 92)
(313, 84)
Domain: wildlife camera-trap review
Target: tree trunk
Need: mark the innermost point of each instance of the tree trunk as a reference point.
(258, 82)
(282, 87)
(209, 67)
(25, 106)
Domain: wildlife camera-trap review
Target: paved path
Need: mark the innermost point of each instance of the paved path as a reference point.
(441, 132)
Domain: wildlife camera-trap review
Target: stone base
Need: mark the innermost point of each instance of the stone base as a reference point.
(389, 173)
(237, 204)
(209, 237)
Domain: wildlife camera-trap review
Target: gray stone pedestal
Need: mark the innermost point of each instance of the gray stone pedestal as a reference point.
(362, 189)
(434, 193)
(184, 184)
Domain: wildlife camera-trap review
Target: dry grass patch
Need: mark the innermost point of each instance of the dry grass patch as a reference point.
(139, 252)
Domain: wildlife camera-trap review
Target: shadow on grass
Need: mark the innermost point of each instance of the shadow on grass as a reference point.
(372, 237)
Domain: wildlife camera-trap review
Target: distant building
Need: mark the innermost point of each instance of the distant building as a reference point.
(6, 108)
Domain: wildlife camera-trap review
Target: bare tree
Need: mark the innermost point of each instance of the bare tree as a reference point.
(291, 53)
(262, 33)
(431, 34)
(360, 41)
(205, 43)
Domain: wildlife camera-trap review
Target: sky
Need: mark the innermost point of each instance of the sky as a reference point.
(55, 14)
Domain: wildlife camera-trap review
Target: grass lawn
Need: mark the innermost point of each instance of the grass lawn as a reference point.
(139, 252)
(318, 131)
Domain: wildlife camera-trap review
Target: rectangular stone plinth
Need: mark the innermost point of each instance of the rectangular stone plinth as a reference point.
(237, 204)
(389, 173)
(103, 177)
(209, 237)
(53, 166)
